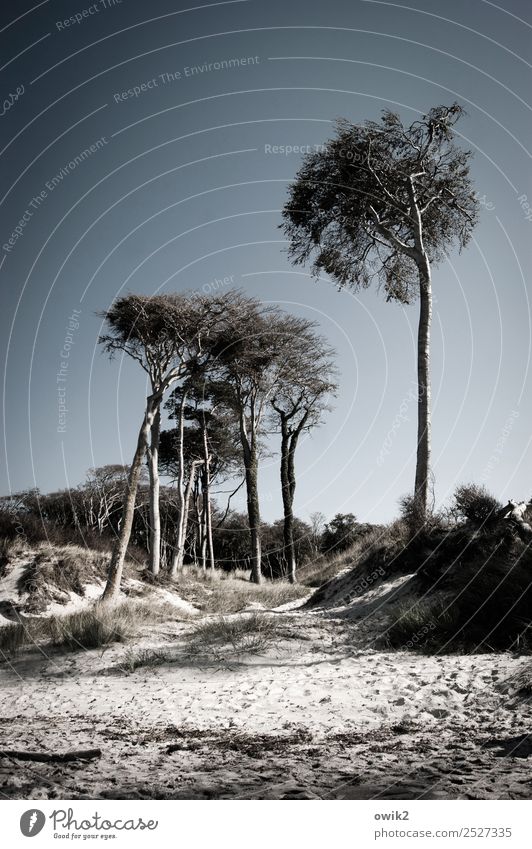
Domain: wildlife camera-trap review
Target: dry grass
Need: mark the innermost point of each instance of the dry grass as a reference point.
(229, 592)
(249, 634)
(324, 567)
(418, 624)
(520, 682)
(90, 628)
(377, 547)
(136, 658)
(56, 571)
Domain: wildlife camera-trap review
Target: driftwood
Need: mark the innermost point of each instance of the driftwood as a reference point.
(44, 757)
(514, 514)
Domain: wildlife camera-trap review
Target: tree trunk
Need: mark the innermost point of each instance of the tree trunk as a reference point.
(155, 513)
(421, 492)
(201, 523)
(287, 491)
(254, 517)
(249, 446)
(179, 551)
(114, 577)
(207, 497)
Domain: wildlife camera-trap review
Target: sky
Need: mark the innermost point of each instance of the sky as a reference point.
(148, 148)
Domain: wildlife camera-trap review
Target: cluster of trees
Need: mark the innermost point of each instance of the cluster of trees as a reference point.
(379, 201)
(229, 371)
(90, 515)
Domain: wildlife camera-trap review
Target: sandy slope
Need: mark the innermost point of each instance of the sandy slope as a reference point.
(320, 715)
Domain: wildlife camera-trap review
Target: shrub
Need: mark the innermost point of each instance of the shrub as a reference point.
(476, 505)
(415, 521)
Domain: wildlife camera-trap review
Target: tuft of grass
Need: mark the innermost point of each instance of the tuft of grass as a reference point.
(134, 659)
(90, 629)
(248, 634)
(12, 638)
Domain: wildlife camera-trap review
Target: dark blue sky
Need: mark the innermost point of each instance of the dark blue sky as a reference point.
(155, 172)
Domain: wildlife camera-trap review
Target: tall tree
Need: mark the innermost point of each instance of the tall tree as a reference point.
(181, 458)
(204, 444)
(165, 334)
(252, 354)
(220, 455)
(383, 200)
(298, 402)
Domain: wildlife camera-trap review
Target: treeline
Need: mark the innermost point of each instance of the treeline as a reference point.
(90, 515)
(229, 372)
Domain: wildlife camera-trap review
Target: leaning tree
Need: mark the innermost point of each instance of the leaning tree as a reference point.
(253, 351)
(166, 335)
(385, 201)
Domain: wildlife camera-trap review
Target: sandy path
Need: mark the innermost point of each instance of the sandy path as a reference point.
(313, 717)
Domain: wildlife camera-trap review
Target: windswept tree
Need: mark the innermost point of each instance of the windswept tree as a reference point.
(298, 402)
(253, 353)
(166, 335)
(385, 201)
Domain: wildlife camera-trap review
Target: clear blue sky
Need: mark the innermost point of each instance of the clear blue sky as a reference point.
(184, 189)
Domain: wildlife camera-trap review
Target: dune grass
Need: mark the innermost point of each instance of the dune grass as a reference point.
(248, 634)
(229, 592)
(422, 624)
(92, 627)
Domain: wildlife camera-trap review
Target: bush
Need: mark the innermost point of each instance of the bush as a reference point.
(415, 521)
(486, 580)
(342, 532)
(476, 505)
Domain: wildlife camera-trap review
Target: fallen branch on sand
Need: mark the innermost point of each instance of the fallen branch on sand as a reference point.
(44, 757)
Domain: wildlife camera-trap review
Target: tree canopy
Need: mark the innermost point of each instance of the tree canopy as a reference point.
(378, 193)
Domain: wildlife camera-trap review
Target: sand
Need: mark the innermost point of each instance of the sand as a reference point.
(321, 714)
